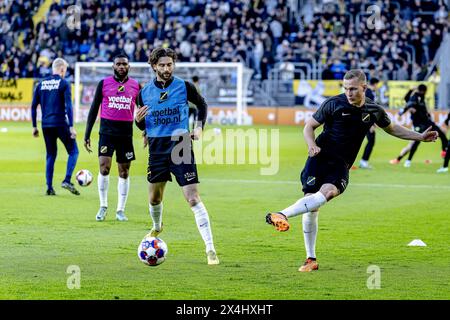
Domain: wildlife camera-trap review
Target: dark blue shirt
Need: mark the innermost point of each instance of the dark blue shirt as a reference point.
(54, 95)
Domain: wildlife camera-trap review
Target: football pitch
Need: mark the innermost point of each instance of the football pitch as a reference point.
(362, 244)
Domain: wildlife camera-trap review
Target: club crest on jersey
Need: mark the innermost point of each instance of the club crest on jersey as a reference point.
(163, 96)
(121, 89)
(366, 117)
(129, 155)
(311, 181)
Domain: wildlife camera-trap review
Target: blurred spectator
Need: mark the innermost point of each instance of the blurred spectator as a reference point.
(258, 54)
(327, 74)
(338, 69)
(441, 15)
(402, 73)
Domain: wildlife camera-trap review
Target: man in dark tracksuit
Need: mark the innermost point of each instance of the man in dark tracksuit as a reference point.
(53, 94)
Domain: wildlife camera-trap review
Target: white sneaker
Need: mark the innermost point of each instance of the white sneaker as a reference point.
(212, 258)
(442, 170)
(365, 165)
(120, 216)
(101, 214)
(407, 164)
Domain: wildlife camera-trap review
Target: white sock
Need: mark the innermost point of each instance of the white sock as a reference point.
(305, 204)
(156, 214)
(122, 191)
(103, 184)
(203, 225)
(310, 227)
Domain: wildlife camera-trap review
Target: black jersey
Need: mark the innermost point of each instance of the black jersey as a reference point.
(420, 117)
(370, 94)
(345, 126)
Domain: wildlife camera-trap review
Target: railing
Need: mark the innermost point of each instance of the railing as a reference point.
(275, 72)
(424, 13)
(413, 52)
(260, 93)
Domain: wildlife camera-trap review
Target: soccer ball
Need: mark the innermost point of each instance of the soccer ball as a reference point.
(152, 251)
(84, 177)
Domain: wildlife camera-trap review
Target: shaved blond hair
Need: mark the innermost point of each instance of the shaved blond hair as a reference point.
(356, 73)
(58, 63)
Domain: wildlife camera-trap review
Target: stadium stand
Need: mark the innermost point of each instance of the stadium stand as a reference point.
(259, 33)
(278, 39)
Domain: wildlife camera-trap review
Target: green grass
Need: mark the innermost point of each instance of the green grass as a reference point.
(370, 224)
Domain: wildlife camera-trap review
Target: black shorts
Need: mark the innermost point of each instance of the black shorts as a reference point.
(123, 146)
(323, 169)
(161, 165)
(193, 111)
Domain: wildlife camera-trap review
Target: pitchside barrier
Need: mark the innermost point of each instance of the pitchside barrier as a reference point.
(16, 96)
(228, 116)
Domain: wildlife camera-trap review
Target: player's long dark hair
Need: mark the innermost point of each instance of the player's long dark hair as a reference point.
(161, 52)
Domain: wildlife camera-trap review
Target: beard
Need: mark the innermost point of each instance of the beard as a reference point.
(120, 76)
(164, 75)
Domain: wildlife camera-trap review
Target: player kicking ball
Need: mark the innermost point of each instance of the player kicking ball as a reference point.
(346, 118)
(164, 115)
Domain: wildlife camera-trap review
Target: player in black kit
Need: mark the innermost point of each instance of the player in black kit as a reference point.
(346, 118)
(421, 120)
(444, 167)
(364, 162)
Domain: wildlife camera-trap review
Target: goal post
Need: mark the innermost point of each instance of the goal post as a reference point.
(222, 84)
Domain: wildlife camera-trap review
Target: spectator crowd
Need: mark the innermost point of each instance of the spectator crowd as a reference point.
(399, 41)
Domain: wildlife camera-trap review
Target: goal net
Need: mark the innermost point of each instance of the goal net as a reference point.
(221, 84)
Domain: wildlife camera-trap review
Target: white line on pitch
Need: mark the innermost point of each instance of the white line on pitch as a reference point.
(371, 185)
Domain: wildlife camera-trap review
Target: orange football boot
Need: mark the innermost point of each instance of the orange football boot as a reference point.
(309, 265)
(394, 161)
(278, 220)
